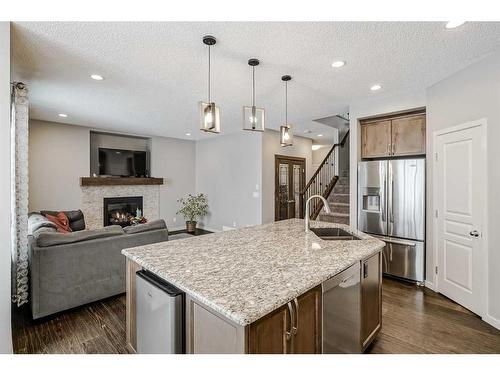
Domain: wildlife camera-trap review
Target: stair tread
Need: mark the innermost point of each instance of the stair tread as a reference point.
(339, 204)
(334, 214)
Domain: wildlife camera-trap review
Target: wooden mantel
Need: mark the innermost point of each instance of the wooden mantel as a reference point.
(109, 181)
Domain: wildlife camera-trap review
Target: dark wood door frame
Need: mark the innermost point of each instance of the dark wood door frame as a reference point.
(302, 161)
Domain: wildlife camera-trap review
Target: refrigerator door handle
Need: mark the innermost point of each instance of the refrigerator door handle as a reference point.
(383, 205)
(391, 218)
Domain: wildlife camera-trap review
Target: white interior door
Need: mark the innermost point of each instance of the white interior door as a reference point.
(460, 180)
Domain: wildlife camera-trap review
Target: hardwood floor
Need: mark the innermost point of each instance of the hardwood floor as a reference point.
(415, 320)
(418, 320)
(95, 328)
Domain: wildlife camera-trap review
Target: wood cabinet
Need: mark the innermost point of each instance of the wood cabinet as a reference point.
(399, 136)
(371, 299)
(408, 135)
(292, 328)
(376, 139)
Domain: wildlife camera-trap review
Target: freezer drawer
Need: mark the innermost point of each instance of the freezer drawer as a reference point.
(403, 258)
(160, 316)
(341, 312)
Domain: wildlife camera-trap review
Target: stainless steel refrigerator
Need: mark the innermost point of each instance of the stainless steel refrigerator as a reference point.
(391, 206)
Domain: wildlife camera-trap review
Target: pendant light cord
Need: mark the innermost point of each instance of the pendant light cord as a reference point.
(209, 101)
(286, 103)
(253, 85)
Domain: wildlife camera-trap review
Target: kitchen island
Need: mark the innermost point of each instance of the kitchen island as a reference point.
(245, 288)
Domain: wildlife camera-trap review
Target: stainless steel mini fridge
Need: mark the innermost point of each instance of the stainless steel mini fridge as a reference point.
(160, 316)
(391, 206)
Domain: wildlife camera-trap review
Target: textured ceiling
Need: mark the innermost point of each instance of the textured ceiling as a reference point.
(157, 72)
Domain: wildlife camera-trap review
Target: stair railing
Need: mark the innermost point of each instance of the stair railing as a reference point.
(322, 181)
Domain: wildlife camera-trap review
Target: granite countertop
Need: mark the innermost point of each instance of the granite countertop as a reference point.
(245, 274)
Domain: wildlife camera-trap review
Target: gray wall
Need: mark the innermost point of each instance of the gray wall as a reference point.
(271, 147)
(469, 95)
(229, 171)
(174, 160)
(5, 259)
(59, 155)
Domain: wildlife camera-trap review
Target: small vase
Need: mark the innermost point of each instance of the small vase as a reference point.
(190, 226)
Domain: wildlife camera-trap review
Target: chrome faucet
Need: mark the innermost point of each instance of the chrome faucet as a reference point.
(325, 205)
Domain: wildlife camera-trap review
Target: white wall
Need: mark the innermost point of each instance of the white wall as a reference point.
(366, 108)
(59, 155)
(174, 160)
(469, 95)
(229, 171)
(271, 147)
(5, 258)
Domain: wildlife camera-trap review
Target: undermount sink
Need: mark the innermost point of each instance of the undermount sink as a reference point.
(333, 234)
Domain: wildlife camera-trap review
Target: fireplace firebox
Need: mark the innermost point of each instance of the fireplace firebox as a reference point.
(120, 210)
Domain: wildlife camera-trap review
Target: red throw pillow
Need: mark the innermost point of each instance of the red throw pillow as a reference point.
(61, 221)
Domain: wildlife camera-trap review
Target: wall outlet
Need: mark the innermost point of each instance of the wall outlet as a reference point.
(255, 194)
(234, 224)
(174, 219)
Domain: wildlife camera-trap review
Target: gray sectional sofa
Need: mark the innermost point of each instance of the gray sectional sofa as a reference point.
(72, 269)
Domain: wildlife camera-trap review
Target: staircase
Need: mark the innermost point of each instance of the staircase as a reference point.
(338, 201)
(332, 186)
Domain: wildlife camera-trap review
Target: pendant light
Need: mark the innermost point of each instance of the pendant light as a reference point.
(253, 117)
(210, 113)
(286, 134)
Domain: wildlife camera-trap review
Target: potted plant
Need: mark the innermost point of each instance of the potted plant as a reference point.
(193, 208)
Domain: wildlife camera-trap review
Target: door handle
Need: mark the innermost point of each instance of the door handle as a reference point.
(365, 270)
(296, 328)
(288, 334)
(474, 233)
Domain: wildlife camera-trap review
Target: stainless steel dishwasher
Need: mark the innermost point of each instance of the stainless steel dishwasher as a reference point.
(342, 312)
(160, 316)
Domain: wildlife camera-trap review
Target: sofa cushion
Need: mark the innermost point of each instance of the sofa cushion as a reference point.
(39, 223)
(54, 239)
(61, 221)
(152, 225)
(75, 217)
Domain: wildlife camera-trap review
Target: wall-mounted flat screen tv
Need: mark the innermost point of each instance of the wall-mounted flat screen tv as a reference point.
(122, 163)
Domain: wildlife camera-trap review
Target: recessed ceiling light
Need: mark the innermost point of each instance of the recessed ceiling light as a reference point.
(316, 147)
(320, 135)
(188, 134)
(375, 87)
(453, 24)
(96, 77)
(62, 115)
(338, 64)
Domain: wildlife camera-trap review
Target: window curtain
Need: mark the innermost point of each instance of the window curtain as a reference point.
(19, 192)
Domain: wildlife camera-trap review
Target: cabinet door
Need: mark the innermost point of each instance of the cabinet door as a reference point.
(376, 139)
(271, 334)
(408, 136)
(308, 311)
(371, 299)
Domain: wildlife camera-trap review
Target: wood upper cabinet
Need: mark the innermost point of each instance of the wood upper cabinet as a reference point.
(408, 135)
(371, 298)
(292, 328)
(393, 137)
(376, 139)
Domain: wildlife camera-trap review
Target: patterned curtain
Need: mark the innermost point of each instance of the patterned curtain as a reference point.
(19, 192)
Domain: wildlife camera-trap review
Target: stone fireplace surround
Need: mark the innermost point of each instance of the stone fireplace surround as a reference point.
(93, 198)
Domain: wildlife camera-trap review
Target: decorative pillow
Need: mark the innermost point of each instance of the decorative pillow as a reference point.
(76, 218)
(61, 221)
